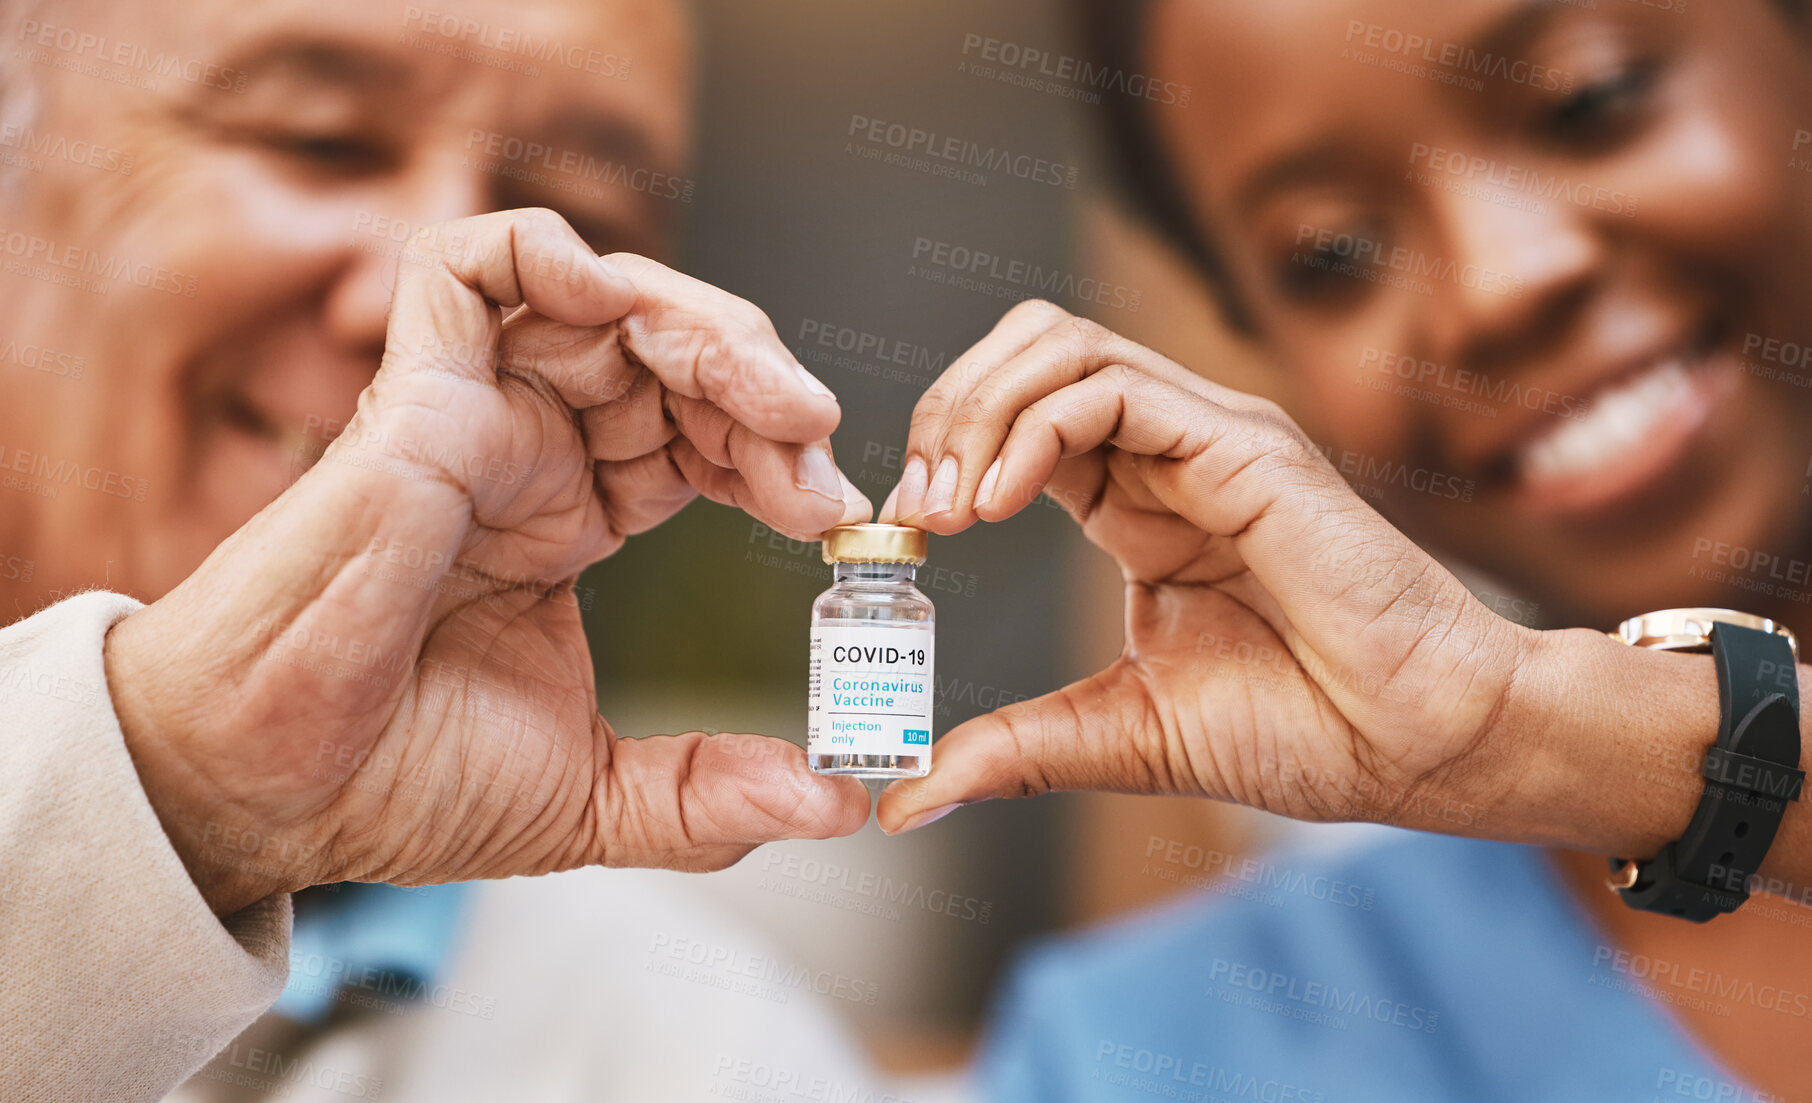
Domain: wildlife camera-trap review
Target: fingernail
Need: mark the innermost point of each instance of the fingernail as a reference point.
(817, 472)
(813, 384)
(986, 489)
(942, 494)
(923, 818)
(912, 487)
(853, 494)
(893, 496)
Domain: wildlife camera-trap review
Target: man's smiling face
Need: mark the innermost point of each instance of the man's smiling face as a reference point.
(218, 260)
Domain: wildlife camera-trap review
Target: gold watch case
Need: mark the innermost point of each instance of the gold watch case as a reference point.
(1690, 629)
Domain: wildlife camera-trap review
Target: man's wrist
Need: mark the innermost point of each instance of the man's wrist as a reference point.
(150, 724)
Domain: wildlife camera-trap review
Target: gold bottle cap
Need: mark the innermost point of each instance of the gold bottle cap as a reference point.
(873, 543)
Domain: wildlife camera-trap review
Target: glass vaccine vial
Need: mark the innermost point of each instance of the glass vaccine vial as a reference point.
(870, 687)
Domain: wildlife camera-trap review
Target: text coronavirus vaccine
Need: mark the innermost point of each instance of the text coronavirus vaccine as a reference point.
(871, 684)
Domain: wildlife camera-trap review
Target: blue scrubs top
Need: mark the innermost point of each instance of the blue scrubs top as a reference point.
(379, 946)
(1418, 969)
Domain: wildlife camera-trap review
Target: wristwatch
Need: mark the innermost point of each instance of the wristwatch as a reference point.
(1751, 772)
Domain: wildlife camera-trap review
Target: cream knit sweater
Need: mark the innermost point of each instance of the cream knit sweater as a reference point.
(119, 981)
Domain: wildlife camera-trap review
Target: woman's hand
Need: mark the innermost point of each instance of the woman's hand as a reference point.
(383, 675)
(1286, 647)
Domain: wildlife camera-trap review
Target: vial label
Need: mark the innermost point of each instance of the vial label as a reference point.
(870, 690)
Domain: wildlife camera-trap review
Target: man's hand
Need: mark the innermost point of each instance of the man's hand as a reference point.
(383, 675)
(1286, 647)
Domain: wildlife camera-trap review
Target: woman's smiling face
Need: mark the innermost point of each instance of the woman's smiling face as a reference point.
(1553, 255)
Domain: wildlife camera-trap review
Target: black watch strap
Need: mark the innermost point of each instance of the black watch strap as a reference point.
(1751, 775)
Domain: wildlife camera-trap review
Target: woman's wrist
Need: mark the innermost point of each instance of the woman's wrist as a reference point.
(1608, 742)
(1613, 737)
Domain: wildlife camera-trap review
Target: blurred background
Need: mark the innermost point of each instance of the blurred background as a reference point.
(702, 623)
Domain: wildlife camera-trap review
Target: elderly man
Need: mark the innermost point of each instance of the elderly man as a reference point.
(243, 241)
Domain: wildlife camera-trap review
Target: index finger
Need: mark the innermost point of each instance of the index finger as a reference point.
(959, 427)
(696, 339)
(703, 342)
(455, 278)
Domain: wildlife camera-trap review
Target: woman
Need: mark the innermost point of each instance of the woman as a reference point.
(1524, 266)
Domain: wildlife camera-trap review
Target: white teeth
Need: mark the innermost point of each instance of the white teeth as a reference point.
(1616, 420)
